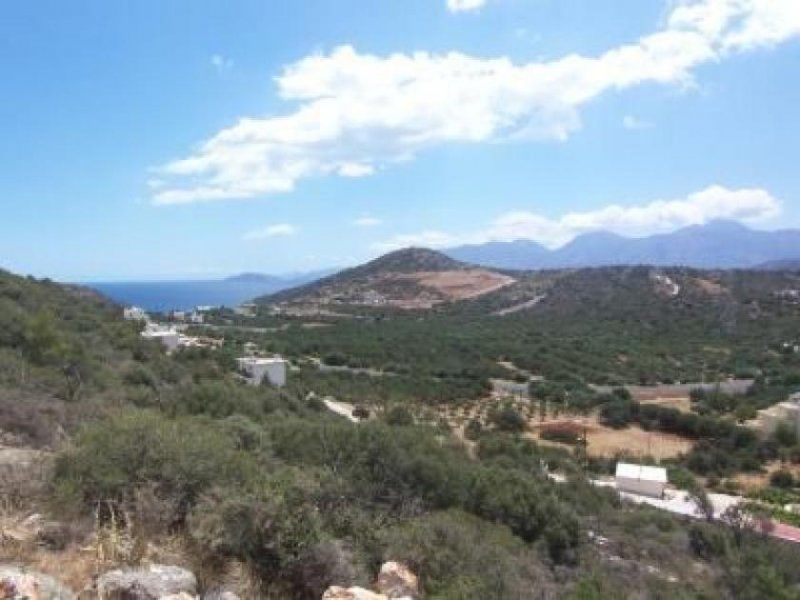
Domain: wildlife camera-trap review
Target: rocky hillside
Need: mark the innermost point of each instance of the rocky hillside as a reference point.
(414, 278)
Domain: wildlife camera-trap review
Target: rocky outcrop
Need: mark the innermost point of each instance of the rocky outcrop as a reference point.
(20, 584)
(156, 582)
(219, 594)
(353, 593)
(395, 582)
(24, 472)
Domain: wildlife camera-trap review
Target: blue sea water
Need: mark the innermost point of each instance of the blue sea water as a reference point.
(184, 295)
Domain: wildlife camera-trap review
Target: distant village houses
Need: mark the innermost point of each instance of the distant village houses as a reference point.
(172, 339)
(134, 313)
(248, 309)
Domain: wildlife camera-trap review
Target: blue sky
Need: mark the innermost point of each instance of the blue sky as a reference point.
(192, 139)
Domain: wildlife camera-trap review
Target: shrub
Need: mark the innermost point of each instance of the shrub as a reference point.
(782, 479)
(361, 412)
(268, 529)
(565, 433)
(507, 418)
(457, 555)
(617, 413)
(399, 416)
(473, 430)
(177, 458)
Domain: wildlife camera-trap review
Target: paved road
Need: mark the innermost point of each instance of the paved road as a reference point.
(679, 502)
(341, 408)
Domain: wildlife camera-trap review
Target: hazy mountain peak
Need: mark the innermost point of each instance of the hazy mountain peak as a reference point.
(716, 244)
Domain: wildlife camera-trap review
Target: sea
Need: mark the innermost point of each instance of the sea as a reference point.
(162, 296)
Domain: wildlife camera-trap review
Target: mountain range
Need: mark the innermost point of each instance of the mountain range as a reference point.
(718, 244)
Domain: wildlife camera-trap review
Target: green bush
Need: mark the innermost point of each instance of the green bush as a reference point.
(177, 458)
(268, 528)
(399, 416)
(473, 430)
(782, 479)
(460, 557)
(507, 418)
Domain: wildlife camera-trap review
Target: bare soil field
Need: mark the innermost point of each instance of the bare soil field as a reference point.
(754, 481)
(602, 441)
(607, 442)
(460, 285)
(681, 403)
(712, 288)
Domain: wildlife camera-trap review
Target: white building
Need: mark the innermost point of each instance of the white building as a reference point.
(256, 369)
(784, 412)
(641, 479)
(168, 336)
(196, 318)
(134, 313)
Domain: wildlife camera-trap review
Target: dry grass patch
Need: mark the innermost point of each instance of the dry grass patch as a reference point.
(681, 403)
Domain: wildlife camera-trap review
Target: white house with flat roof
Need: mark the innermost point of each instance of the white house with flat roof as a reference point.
(256, 369)
(641, 479)
(168, 336)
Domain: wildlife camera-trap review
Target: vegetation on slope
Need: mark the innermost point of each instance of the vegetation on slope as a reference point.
(271, 482)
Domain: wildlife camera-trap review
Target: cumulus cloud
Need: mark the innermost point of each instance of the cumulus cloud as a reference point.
(749, 205)
(464, 5)
(367, 222)
(357, 112)
(271, 231)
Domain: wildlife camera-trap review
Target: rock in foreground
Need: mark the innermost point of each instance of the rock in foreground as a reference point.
(155, 582)
(19, 584)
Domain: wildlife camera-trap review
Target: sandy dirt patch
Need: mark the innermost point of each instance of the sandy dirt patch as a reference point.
(460, 285)
(607, 442)
(681, 403)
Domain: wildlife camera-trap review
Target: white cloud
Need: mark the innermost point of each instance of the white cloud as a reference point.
(357, 112)
(220, 63)
(271, 231)
(749, 205)
(423, 239)
(367, 222)
(356, 170)
(464, 5)
(633, 123)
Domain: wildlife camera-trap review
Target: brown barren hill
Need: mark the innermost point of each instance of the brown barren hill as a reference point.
(414, 278)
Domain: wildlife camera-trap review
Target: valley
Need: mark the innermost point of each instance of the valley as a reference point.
(423, 397)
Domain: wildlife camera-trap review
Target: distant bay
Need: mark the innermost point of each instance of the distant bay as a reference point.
(185, 295)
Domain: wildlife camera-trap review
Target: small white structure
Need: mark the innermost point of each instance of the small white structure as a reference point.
(196, 318)
(641, 479)
(784, 412)
(169, 337)
(134, 313)
(256, 369)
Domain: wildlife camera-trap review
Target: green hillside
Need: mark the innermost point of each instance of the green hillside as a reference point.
(171, 454)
